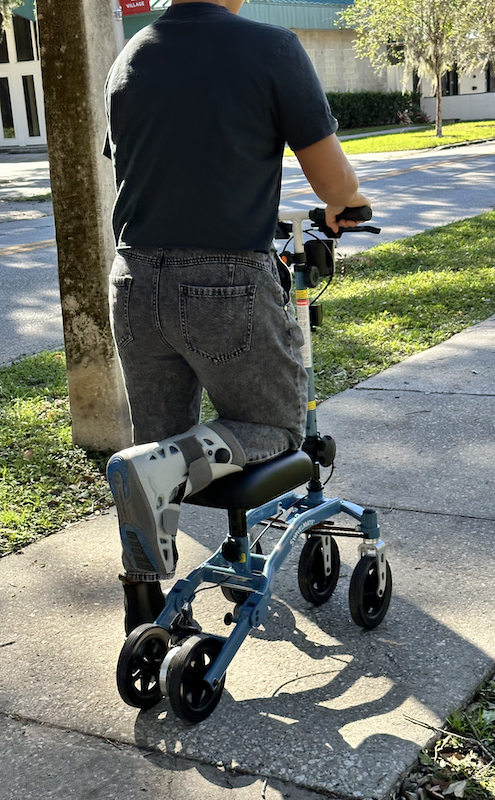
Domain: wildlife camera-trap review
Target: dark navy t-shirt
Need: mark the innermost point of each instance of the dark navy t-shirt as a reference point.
(200, 105)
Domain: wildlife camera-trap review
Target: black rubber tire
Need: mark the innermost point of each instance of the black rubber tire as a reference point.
(367, 609)
(191, 699)
(139, 663)
(315, 586)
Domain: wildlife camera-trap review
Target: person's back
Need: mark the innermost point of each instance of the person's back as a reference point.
(202, 103)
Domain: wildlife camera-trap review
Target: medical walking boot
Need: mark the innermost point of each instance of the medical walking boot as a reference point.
(148, 483)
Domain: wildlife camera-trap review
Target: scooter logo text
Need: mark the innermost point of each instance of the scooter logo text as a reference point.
(305, 525)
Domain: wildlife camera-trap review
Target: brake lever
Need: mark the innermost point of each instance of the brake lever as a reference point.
(360, 228)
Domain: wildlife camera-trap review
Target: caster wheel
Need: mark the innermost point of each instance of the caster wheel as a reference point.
(317, 587)
(138, 667)
(191, 698)
(367, 609)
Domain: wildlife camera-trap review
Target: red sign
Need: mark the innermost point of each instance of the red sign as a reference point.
(135, 6)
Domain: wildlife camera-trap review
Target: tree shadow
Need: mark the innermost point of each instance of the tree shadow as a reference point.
(339, 727)
(310, 698)
(336, 718)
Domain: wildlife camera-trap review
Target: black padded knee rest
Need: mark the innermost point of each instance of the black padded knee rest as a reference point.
(257, 484)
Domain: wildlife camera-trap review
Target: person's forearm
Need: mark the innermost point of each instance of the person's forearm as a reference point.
(341, 192)
(332, 178)
(329, 172)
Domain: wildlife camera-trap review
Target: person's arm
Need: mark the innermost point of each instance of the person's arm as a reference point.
(332, 178)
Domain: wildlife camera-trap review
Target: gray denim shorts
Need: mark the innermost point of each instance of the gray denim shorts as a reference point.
(184, 320)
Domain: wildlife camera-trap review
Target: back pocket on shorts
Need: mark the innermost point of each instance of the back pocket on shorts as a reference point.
(217, 321)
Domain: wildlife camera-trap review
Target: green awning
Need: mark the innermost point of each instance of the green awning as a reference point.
(26, 10)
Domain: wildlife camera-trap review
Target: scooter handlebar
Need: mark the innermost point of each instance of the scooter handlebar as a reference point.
(355, 213)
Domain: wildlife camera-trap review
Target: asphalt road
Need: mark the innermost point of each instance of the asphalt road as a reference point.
(410, 192)
(30, 313)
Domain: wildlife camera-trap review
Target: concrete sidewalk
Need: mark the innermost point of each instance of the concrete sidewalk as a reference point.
(312, 704)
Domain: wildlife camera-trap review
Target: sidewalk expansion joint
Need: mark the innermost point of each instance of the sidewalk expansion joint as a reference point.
(153, 752)
(422, 391)
(229, 773)
(63, 729)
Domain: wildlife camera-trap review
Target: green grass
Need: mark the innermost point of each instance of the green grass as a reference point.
(421, 140)
(45, 482)
(384, 305)
(404, 297)
(376, 129)
(34, 198)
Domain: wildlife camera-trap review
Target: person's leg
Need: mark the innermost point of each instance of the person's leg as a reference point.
(239, 334)
(148, 483)
(163, 390)
(164, 398)
(149, 479)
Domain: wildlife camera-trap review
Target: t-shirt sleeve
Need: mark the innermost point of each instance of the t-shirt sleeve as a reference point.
(302, 109)
(105, 151)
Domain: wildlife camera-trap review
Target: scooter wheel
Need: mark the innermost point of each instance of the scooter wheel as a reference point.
(191, 698)
(367, 608)
(138, 667)
(316, 586)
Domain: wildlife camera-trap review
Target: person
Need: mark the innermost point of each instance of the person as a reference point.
(200, 105)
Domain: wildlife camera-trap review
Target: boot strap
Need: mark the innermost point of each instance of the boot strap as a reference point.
(200, 475)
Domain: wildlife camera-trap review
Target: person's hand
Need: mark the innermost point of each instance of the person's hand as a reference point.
(332, 212)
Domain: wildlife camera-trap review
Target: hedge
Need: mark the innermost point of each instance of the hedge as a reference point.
(364, 109)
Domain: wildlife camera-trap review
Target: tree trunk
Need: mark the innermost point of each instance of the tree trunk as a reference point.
(438, 120)
(77, 49)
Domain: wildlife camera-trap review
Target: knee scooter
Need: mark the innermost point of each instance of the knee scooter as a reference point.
(172, 657)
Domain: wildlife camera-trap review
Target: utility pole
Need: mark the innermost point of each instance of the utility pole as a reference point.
(78, 45)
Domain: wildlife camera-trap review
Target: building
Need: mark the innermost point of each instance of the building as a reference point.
(316, 22)
(21, 89)
(465, 97)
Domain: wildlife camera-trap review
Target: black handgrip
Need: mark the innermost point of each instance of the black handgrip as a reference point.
(357, 214)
